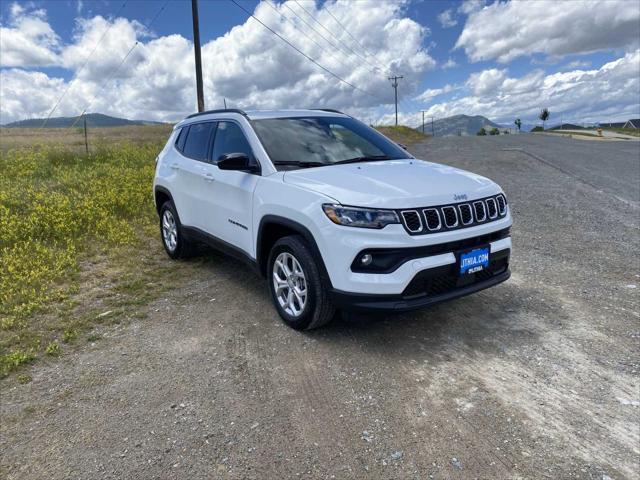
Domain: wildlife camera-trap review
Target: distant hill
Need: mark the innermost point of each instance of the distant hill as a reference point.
(93, 120)
(566, 126)
(458, 125)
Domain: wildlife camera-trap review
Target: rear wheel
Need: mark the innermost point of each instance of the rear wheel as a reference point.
(173, 239)
(298, 290)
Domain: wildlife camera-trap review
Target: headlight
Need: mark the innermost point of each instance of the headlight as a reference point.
(360, 217)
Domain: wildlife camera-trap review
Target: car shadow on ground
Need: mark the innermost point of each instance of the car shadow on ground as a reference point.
(494, 321)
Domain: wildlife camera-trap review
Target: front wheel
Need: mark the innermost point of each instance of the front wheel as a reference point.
(297, 288)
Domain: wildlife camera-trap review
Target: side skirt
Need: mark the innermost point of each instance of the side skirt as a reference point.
(197, 235)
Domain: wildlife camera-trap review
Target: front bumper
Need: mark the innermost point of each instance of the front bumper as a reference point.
(340, 246)
(428, 287)
(396, 303)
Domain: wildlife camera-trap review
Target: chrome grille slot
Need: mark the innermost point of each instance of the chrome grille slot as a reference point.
(432, 217)
(502, 204)
(466, 215)
(450, 216)
(412, 221)
(480, 212)
(441, 218)
(492, 209)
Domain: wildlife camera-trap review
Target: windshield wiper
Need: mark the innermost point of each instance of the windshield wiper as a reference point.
(369, 158)
(301, 164)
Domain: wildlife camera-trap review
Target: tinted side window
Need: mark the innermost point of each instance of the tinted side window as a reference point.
(230, 139)
(182, 136)
(199, 140)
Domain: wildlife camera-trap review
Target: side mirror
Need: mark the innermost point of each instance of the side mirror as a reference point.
(237, 161)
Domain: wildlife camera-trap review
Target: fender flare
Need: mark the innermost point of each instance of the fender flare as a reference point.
(303, 231)
(161, 189)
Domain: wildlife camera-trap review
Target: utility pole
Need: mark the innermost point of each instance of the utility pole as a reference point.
(86, 143)
(394, 84)
(423, 120)
(196, 48)
(433, 132)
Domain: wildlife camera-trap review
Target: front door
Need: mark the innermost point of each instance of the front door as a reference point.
(231, 192)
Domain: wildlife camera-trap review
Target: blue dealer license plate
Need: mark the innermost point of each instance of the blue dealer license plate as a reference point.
(474, 261)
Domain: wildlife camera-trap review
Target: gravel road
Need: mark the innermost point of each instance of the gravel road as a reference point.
(536, 378)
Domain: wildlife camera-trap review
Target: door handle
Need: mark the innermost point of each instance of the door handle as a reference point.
(175, 166)
(208, 177)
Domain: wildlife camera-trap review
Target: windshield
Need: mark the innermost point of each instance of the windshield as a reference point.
(317, 141)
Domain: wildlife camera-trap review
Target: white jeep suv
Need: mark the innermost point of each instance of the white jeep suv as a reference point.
(331, 212)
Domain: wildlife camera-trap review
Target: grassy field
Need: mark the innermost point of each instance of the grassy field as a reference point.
(627, 131)
(79, 246)
(73, 139)
(402, 134)
(79, 238)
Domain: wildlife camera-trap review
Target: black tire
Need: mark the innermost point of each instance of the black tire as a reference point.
(318, 309)
(183, 247)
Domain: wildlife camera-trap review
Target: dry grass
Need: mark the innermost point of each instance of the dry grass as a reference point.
(79, 238)
(402, 134)
(72, 139)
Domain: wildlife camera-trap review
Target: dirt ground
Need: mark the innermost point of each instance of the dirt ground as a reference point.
(535, 378)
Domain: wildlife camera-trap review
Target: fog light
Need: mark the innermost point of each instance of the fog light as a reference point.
(366, 259)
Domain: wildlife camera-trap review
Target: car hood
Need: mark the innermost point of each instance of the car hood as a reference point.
(407, 183)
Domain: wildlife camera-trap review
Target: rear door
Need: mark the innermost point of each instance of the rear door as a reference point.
(230, 194)
(194, 177)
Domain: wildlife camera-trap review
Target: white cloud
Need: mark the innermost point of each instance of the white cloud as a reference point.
(28, 40)
(248, 66)
(431, 93)
(447, 19)
(506, 30)
(486, 81)
(607, 93)
(451, 63)
(578, 64)
(469, 6)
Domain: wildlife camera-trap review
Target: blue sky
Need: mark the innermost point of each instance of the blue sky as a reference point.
(450, 52)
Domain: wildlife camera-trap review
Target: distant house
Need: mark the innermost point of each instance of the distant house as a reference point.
(612, 125)
(635, 123)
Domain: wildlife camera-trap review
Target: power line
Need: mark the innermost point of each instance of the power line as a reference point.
(410, 105)
(104, 84)
(326, 8)
(355, 87)
(374, 71)
(333, 34)
(324, 49)
(86, 61)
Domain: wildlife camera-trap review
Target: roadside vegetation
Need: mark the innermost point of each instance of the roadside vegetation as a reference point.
(78, 244)
(627, 131)
(402, 134)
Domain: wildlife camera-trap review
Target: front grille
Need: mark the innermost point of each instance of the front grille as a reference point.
(450, 217)
(454, 216)
(412, 221)
(465, 213)
(481, 213)
(502, 204)
(491, 208)
(433, 219)
(445, 279)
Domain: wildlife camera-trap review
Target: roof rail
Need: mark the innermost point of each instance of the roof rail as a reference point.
(332, 110)
(222, 110)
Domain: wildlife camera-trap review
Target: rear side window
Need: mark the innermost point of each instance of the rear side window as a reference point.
(198, 141)
(182, 136)
(230, 139)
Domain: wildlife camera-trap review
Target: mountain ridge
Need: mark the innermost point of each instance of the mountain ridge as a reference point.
(93, 120)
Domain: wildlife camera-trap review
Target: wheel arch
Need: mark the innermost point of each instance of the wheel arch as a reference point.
(274, 227)
(161, 195)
